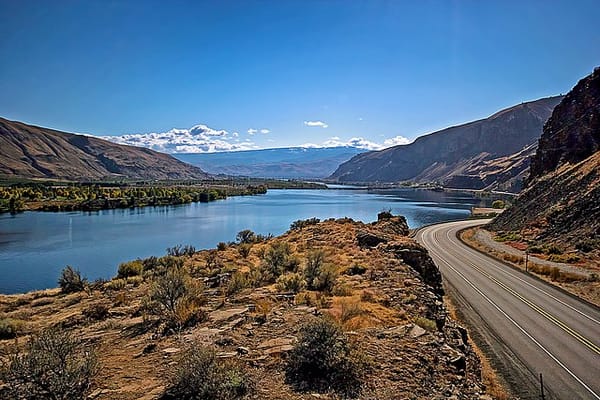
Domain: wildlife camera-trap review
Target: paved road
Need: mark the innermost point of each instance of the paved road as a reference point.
(529, 327)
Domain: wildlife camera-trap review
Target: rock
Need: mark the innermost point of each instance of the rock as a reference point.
(171, 350)
(367, 239)
(228, 314)
(416, 331)
(242, 350)
(277, 345)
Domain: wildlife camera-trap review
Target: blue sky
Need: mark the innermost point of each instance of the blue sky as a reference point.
(367, 69)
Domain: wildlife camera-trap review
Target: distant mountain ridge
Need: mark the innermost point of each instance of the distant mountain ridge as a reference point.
(28, 151)
(288, 162)
(488, 153)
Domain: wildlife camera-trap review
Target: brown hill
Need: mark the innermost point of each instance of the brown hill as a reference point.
(562, 201)
(28, 151)
(488, 153)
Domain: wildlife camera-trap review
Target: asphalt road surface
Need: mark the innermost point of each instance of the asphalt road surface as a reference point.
(527, 327)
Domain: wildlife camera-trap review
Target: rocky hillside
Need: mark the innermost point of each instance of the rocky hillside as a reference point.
(562, 201)
(250, 303)
(489, 153)
(28, 151)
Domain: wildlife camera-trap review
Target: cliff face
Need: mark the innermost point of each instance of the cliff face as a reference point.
(32, 152)
(562, 201)
(573, 131)
(473, 155)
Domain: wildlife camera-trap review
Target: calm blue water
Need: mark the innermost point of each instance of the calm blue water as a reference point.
(35, 246)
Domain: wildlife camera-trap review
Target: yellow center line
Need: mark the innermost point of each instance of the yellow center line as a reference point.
(541, 311)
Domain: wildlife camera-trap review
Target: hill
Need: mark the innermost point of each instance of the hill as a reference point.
(373, 293)
(488, 153)
(28, 151)
(561, 203)
(288, 163)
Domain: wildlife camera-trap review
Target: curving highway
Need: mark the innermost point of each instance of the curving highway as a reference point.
(525, 326)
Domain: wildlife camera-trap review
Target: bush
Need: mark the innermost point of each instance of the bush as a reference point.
(200, 375)
(356, 269)
(116, 284)
(178, 298)
(318, 274)
(180, 250)
(221, 246)
(130, 268)
(96, 312)
(302, 223)
(244, 249)
(70, 280)
(290, 282)
(276, 261)
(323, 360)
(245, 236)
(10, 328)
(54, 365)
(237, 283)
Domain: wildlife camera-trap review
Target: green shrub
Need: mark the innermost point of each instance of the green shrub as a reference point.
(553, 249)
(201, 375)
(54, 365)
(10, 328)
(70, 280)
(130, 268)
(221, 246)
(324, 360)
(291, 282)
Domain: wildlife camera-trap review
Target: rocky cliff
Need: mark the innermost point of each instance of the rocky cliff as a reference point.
(485, 153)
(562, 201)
(28, 151)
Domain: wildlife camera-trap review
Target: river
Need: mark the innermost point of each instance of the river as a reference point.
(36, 246)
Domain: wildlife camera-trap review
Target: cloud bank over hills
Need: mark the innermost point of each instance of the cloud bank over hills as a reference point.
(203, 139)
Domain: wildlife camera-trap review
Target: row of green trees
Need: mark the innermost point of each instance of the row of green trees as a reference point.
(96, 197)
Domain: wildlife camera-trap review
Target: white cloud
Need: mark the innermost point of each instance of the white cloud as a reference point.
(253, 131)
(395, 141)
(359, 142)
(316, 123)
(197, 139)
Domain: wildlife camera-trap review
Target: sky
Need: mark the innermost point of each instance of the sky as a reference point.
(193, 76)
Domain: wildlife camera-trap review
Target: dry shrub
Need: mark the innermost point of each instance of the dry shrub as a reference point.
(177, 299)
(342, 290)
(96, 312)
(116, 284)
(10, 328)
(263, 307)
(290, 282)
(54, 365)
(201, 375)
(130, 268)
(324, 360)
(70, 280)
(244, 249)
(238, 282)
(426, 323)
